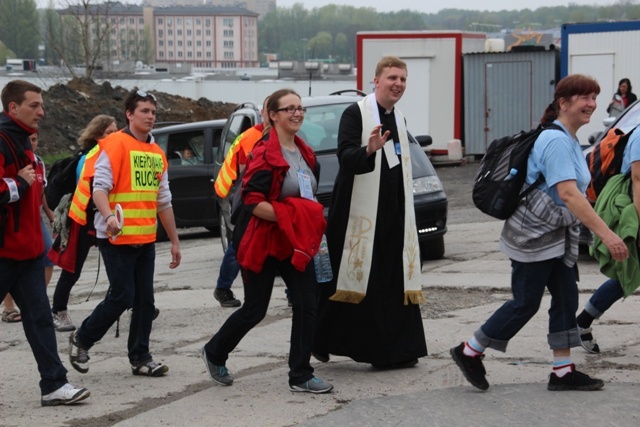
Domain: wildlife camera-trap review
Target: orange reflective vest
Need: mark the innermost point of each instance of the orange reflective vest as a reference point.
(82, 195)
(137, 169)
(236, 156)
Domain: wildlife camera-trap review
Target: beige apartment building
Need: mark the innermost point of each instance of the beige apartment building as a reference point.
(205, 37)
(261, 7)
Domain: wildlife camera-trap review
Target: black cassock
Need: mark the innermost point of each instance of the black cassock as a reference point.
(380, 330)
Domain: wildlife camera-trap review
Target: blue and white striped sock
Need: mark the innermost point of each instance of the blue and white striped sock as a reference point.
(473, 348)
(562, 366)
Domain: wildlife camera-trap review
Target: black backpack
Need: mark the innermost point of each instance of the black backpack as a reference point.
(61, 179)
(502, 173)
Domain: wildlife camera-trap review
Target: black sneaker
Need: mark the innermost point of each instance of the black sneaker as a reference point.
(471, 367)
(574, 380)
(226, 298)
(150, 369)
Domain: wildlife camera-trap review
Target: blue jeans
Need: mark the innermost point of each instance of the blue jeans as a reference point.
(25, 281)
(229, 268)
(528, 282)
(47, 243)
(130, 271)
(603, 298)
(257, 293)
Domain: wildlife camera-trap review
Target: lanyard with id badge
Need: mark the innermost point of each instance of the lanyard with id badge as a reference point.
(304, 181)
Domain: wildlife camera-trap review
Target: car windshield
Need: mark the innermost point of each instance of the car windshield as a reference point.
(320, 126)
(630, 119)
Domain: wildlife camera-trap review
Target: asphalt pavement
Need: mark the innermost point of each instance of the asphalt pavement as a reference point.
(432, 393)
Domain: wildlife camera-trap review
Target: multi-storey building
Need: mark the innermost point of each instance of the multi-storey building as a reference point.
(206, 36)
(261, 7)
(201, 36)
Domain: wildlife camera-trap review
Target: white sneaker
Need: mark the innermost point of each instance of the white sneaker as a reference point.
(65, 395)
(62, 322)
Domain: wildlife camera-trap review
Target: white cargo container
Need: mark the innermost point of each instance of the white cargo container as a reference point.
(432, 103)
(607, 51)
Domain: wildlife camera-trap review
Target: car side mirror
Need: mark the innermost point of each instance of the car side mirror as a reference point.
(424, 140)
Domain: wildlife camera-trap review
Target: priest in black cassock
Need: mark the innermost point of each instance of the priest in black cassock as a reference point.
(370, 312)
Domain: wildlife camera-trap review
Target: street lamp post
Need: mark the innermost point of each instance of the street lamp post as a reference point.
(304, 48)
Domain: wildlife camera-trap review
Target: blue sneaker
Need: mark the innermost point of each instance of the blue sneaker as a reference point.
(219, 374)
(314, 385)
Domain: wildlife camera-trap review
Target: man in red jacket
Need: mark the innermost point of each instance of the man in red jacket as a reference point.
(21, 241)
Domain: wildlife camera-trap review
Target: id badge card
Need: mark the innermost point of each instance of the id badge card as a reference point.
(396, 145)
(304, 181)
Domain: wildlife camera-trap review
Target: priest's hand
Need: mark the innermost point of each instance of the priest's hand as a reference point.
(376, 140)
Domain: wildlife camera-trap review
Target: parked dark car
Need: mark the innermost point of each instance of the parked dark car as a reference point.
(191, 150)
(320, 131)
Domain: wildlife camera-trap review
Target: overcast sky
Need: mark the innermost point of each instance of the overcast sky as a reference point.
(427, 6)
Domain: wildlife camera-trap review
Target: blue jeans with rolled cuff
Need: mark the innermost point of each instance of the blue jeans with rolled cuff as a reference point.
(604, 297)
(528, 282)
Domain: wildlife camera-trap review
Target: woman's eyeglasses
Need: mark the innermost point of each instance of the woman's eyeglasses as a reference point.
(291, 109)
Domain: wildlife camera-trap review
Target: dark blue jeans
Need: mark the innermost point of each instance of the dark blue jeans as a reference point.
(604, 297)
(229, 268)
(528, 282)
(130, 272)
(25, 281)
(257, 293)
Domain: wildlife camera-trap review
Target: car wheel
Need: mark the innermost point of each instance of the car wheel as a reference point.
(224, 231)
(433, 249)
(161, 233)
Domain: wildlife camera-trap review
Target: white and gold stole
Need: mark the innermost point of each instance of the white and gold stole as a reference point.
(356, 260)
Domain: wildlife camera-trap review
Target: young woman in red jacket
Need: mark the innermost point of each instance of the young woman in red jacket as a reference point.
(278, 194)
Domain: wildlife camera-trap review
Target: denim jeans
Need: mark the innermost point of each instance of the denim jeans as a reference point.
(257, 293)
(67, 280)
(130, 272)
(528, 282)
(604, 297)
(25, 281)
(229, 268)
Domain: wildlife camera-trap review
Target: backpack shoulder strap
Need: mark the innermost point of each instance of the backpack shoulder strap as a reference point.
(17, 152)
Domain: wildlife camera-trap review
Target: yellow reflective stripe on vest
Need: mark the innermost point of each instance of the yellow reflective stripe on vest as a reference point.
(142, 196)
(78, 214)
(139, 230)
(139, 213)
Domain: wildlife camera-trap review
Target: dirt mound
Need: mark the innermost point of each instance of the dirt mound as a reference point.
(70, 107)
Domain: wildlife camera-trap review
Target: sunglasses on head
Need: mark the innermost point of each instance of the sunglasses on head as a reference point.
(144, 94)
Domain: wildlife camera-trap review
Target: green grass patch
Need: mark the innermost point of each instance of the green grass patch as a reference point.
(50, 159)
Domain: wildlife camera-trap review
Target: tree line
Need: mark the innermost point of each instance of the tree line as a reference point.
(291, 33)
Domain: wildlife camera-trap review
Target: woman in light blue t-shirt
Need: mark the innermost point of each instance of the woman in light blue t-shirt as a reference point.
(537, 239)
